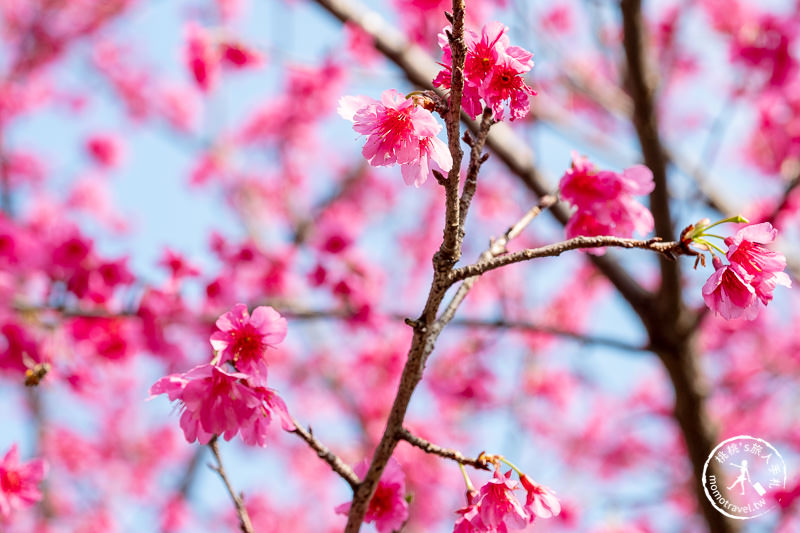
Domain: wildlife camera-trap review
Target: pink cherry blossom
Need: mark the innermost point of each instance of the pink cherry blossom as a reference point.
(746, 249)
(177, 265)
(604, 200)
(729, 292)
(105, 149)
(201, 57)
(388, 508)
(540, 501)
(217, 402)
(243, 339)
(18, 482)
(399, 132)
(493, 72)
(498, 504)
(470, 519)
(237, 55)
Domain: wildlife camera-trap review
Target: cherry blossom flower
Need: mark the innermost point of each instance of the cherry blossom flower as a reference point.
(243, 339)
(18, 482)
(470, 519)
(493, 72)
(540, 501)
(399, 132)
(177, 265)
(105, 149)
(239, 56)
(498, 505)
(746, 249)
(729, 292)
(217, 402)
(388, 508)
(604, 200)
(735, 290)
(201, 57)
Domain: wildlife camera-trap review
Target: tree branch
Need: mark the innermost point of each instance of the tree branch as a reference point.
(476, 159)
(244, 519)
(667, 249)
(669, 324)
(450, 250)
(335, 462)
(547, 330)
(645, 121)
(427, 328)
(447, 453)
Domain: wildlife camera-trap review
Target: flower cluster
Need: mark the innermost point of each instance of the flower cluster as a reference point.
(388, 508)
(400, 131)
(735, 289)
(216, 401)
(18, 482)
(604, 200)
(496, 508)
(493, 72)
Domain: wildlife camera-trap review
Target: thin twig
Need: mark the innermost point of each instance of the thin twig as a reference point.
(447, 453)
(476, 159)
(667, 249)
(783, 203)
(190, 474)
(548, 330)
(333, 460)
(244, 519)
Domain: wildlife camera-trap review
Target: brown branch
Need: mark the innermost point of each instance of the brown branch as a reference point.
(667, 249)
(645, 121)
(784, 200)
(670, 326)
(244, 519)
(450, 250)
(447, 453)
(333, 460)
(427, 329)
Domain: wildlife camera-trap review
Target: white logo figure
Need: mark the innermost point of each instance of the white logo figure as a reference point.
(743, 474)
(744, 459)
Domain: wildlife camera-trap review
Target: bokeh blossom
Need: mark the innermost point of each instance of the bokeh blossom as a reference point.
(604, 200)
(19, 482)
(388, 508)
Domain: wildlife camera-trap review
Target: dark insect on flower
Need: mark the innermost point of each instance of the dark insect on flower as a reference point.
(35, 372)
